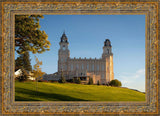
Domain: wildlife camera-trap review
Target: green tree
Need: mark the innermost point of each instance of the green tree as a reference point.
(27, 62)
(115, 83)
(19, 63)
(23, 76)
(74, 80)
(78, 80)
(28, 36)
(62, 80)
(90, 81)
(98, 83)
(23, 62)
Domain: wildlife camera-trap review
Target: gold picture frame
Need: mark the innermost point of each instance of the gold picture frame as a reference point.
(10, 9)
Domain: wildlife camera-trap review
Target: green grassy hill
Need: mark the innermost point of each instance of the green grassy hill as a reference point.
(26, 91)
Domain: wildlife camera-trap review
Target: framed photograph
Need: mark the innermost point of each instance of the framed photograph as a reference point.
(79, 58)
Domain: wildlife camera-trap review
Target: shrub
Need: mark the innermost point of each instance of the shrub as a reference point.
(90, 81)
(51, 81)
(74, 80)
(78, 80)
(115, 83)
(42, 81)
(62, 80)
(98, 83)
(69, 80)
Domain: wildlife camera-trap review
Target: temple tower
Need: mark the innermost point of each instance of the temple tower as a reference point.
(107, 56)
(63, 53)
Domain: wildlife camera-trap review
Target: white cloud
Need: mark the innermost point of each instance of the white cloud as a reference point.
(133, 80)
(139, 73)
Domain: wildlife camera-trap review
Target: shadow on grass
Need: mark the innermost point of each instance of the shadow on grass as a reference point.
(18, 98)
(48, 96)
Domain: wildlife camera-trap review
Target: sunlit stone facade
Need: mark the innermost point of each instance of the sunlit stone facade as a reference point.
(98, 69)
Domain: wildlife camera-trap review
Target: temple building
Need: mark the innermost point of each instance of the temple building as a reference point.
(98, 69)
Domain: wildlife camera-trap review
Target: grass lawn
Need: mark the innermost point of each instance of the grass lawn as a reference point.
(26, 91)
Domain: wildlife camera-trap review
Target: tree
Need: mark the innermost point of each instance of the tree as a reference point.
(19, 63)
(115, 83)
(37, 72)
(78, 80)
(28, 36)
(23, 76)
(98, 83)
(62, 80)
(90, 81)
(74, 80)
(27, 62)
(23, 62)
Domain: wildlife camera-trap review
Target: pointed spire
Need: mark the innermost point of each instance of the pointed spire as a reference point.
(107, 42)
(64, 37)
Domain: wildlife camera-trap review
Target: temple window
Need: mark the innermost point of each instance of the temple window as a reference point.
(87, 66)
(71, 67)
(77, 66)
(97, 67)
(102, 76)
(92, 67)
(102, 67)
(82, 67)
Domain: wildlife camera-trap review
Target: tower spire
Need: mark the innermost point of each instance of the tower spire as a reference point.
(64, 37)
(107, 49)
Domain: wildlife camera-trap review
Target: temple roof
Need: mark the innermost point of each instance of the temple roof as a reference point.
(107, 42)
(64, 38)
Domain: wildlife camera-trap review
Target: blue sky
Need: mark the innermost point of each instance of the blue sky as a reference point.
(86, 35)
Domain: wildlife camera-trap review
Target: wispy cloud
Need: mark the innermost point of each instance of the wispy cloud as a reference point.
(133, 80)
(139, 73)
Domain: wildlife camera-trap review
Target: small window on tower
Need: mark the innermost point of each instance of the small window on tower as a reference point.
(64, 47)
(108, 51)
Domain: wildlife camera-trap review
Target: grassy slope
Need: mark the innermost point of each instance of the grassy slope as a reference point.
(73, 92)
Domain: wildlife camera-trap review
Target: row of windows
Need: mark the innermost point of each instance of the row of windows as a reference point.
(88, 67)
(65, 68)
(82, 67)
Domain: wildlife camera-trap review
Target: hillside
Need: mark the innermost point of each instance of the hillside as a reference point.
(26, 91)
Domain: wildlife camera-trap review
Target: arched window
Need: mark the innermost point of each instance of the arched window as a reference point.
(92, 67)
(102, 76)
(62, 67)
(77, 66)
(82, 67)
(87, 66)
(102, 67)
(63, 47)
(108, 51)
(97, 67)
(71, 67)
